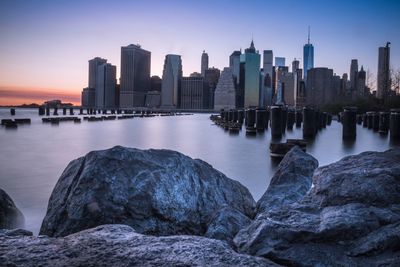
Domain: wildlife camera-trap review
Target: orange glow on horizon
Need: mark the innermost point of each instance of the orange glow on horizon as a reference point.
(16, 95)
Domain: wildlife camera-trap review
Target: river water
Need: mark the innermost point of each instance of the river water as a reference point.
(33, 156)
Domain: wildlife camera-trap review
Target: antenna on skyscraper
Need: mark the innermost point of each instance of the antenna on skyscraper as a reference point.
(308, 34)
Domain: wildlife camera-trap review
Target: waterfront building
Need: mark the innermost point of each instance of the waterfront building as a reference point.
(383, 77)
(234, 64)
(88, 98)
(225, 92)
(266, 93)
(171, 81)
(353, 78)
(289, 88)
(193, 93)
(93, 65)
(153, 99)
(319, 86)
(211, 78)
(250, 76)
(155, 83)
(135, 76)
(336, 88)
(361, 83)
(308, 56)
(105, 86)
(204, 63)
(278, 87)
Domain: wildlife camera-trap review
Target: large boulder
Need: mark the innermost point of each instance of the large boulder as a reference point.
(349, 217)
(10, 216)
(226, 223)
(120, 245)
(292, 180)
(158, 192)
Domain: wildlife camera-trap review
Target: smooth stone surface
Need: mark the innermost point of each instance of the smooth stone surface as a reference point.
(120, 245)
(10, 216)
(350, 217)
(158, 192)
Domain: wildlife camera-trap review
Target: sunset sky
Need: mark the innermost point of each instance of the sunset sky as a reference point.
(45, 45)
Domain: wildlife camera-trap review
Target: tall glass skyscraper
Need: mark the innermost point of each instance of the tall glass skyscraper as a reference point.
(171, 80)
(308, 56)
(251, 78)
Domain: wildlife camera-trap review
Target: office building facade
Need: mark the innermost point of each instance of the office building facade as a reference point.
(193, 93)
(171, 81)
(106, 86)
(204, 63)
(250, 80)
(135, 76)
(383, 77)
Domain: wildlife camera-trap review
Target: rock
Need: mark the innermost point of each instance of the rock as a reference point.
(226, 223)
(292, 180)
(349, 217)
(120, 245)
(10, 215)
(158, 192)
(15, 232)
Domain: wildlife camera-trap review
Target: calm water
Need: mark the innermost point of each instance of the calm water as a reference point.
(33, 156)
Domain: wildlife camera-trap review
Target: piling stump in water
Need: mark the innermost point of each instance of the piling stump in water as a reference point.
(276, 121)
(395, 124)
(384, 120)
(261, 119)
(309, 127)
(290, 119)
(349, 121)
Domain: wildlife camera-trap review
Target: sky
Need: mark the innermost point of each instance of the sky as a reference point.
(45, 45)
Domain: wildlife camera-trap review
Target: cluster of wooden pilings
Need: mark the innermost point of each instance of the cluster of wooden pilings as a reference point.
(383, 122)
(12, 124)
(278, 118)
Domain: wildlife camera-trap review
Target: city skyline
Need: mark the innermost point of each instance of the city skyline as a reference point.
(50, 28)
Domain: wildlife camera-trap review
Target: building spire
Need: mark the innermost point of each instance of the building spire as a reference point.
(308, 34)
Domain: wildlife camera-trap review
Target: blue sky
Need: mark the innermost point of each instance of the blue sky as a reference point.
(46, 44)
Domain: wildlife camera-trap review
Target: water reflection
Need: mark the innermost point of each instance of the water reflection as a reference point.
(34, 156)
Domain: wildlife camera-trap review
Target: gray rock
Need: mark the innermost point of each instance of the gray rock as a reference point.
(226, 223)
(10, 216)
(158, 192)
(15, 232)
(292, 180)
(120, 245)
(349, 217)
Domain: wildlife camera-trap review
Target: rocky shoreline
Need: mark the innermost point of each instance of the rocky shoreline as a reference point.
(131, 207)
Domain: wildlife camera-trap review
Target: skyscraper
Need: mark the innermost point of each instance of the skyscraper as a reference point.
(211, 77)
(171, 81)
(93, 65)
(383, 81)
(105, 86)
(193, 93)
(234, 64)
(353, 74)
(319, 86)
(204, 63)
(250, 80)
(361, 83)
(266, 79)
(308, 56)
(135, 76)
(225, 93)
